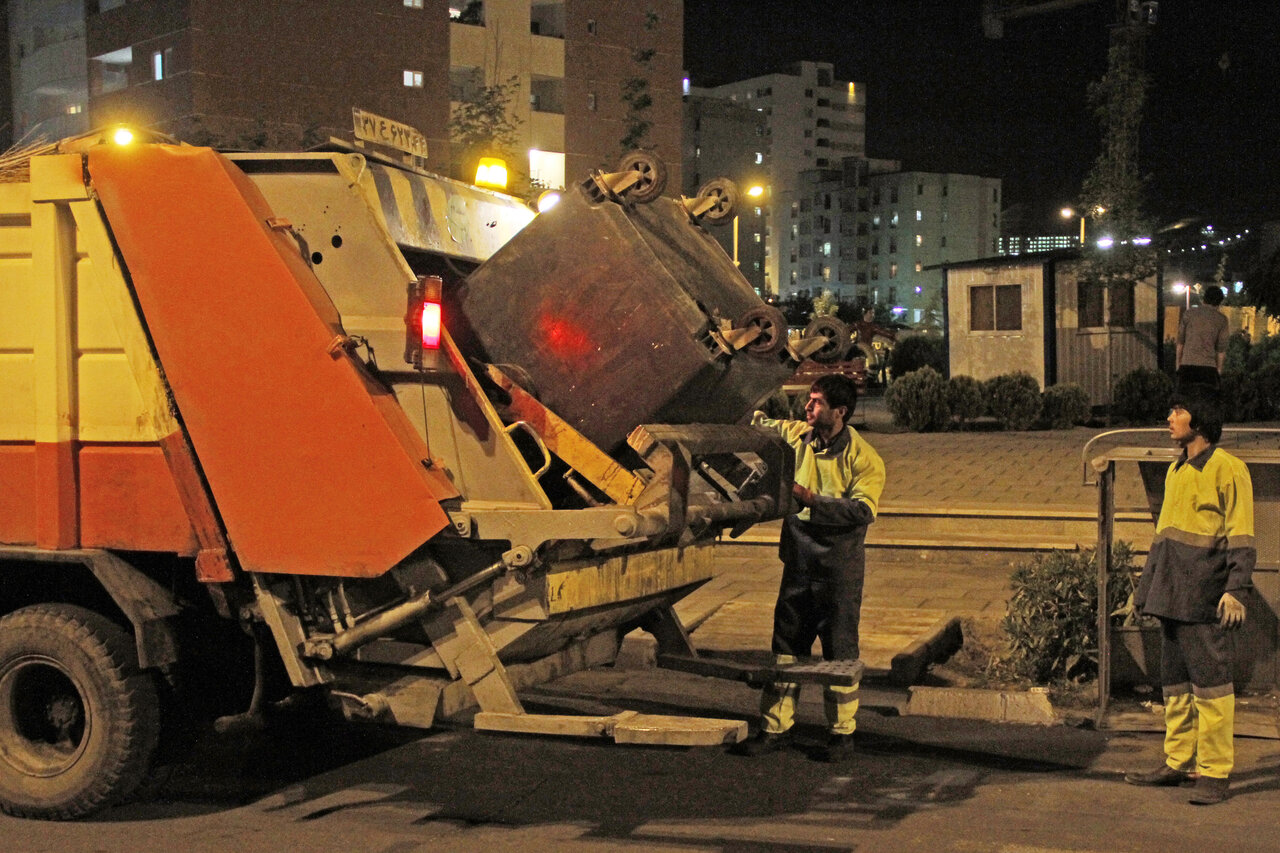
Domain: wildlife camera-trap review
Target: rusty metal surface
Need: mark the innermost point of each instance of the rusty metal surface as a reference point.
(614, 311)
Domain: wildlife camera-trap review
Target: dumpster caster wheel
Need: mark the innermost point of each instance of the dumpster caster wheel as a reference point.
(722, 194)
(653, 175)
(837, 335)
(773, 329)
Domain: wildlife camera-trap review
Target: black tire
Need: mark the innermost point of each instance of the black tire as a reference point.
(724, 193)
(653, 175)
(79, 723)
(837, 335)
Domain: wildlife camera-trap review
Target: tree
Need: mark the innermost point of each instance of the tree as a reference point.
(482, 126)
(1112, 194)
(1262, 282)
(825, 304)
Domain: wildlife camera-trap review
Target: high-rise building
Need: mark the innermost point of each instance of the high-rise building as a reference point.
(581, 75)
(723, 139)
(814, 121)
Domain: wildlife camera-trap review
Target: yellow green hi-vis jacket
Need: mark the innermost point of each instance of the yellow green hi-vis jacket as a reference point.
(1204, 539)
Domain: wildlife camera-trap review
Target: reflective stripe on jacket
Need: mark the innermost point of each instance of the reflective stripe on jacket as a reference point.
(1204, 539)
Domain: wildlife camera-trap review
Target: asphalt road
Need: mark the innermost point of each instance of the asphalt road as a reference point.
(917, 784)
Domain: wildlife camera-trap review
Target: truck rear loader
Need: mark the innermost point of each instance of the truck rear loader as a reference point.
(324, 424)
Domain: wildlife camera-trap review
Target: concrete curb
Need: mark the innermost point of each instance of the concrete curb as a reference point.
(909, 664)
(1029, 708)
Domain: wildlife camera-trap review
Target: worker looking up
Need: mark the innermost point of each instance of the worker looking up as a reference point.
(1195, 580)
(838, 481)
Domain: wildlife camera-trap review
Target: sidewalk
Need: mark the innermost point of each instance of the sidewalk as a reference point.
(914, 598)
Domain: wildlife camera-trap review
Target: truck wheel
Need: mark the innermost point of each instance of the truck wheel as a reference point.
(79, 723)
(653, 175)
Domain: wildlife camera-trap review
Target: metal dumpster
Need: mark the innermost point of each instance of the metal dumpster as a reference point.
(623, 313)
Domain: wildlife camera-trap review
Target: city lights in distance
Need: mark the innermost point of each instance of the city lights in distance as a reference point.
(1105, 242)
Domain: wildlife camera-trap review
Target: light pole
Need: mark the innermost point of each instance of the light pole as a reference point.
(1070, 213)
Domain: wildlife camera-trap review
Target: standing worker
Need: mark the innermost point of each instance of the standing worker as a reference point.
(1202, 342)
(838, 481)
(1196, 576)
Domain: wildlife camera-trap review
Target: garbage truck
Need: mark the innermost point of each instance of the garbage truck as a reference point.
(322, 424)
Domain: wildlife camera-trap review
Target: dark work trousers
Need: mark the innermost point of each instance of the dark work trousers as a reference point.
(1192, 376)
(821, 592)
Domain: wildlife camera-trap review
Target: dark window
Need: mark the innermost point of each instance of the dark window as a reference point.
(1090, 305)
(995, 308)
(1122, 305)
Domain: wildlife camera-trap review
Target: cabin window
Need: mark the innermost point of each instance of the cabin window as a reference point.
(1094, 311)
(995, 308)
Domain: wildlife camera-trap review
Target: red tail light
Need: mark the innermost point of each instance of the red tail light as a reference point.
(422, 318)
(431, 325)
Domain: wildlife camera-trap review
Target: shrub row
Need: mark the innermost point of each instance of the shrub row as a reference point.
(923, 401)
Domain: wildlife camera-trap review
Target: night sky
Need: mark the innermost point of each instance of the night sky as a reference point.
(941, 97)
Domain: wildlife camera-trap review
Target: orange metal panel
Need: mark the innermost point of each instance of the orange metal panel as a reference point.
(313, 467)
(128, 500)
(57, 521)
(18, 493)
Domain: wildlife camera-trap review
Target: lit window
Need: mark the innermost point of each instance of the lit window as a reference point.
(893, 270)
(413, 79)
(591, 105)
(919, 239)
(157, 66)
(756, 236)
(919, 266)
(74, 109)
(759, 158)
(826, 273)
(413, 4)
(546, 168)
(826, 250)
(919, 216)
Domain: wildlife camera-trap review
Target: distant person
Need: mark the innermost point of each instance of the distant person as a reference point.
(1202, 342)
(1195, 580)
(838, 481)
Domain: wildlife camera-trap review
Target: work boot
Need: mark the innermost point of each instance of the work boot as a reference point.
(762, 743)
(1163, 776)
(1208, 791)
(837, 748)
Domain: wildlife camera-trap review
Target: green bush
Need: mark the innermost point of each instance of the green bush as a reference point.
(1142, 395)
(918, 400)
(1014, 399)
(910, 354)
(1064, 405)
(965, 399)
(1051, 620)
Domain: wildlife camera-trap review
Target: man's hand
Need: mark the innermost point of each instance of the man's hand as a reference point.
(1230, 611)
(803, 496)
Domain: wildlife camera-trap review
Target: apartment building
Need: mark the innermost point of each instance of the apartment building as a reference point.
(813, 121)
(723, 139)
(288, 73)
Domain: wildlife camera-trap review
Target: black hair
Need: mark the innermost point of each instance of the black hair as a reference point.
(839, 391)
(1212, 295)
(1206, 411)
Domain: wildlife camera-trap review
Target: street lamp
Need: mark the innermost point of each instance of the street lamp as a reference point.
(1183, 287)
(1070, 213)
